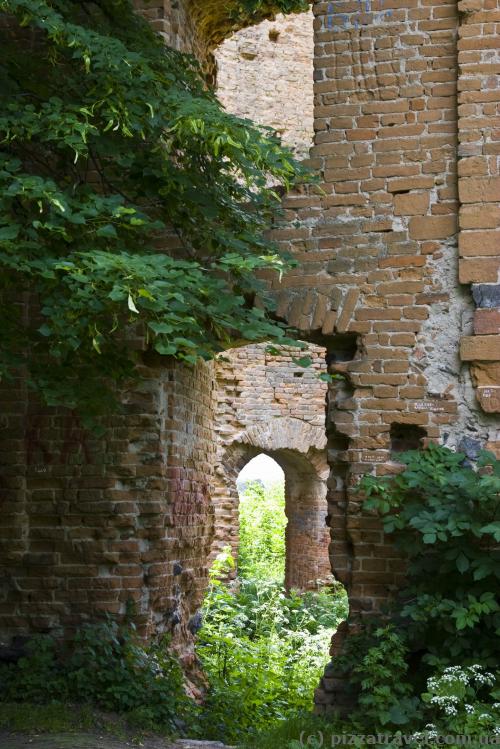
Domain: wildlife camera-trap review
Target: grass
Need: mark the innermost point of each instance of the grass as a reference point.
(59, 718)
(299, 728)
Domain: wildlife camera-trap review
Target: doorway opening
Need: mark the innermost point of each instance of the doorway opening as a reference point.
(262, 520)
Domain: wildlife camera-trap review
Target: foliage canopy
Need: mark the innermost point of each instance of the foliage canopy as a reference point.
(131, 203)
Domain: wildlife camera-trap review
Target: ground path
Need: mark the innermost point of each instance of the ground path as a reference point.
(93, 741)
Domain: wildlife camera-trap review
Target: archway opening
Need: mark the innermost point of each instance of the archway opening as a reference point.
(268, 617)
(262, 520)
(273, 603)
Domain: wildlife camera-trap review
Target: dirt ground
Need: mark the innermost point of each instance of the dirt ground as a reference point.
(93, 741)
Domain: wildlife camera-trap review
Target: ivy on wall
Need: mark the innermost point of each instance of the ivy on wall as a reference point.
(131, 204)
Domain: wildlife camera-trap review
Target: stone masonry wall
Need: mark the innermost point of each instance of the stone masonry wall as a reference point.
(265, 73)
(378, 249)
(479, 191)
(268, 404)
(121, 524)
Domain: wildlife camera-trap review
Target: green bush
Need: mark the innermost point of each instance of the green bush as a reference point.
(263, 652)
(461, 702)
(106, 667)
(444, 515)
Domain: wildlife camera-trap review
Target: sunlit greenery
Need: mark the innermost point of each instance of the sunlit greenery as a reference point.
(262, 532)
(263, 650)
(427, 668)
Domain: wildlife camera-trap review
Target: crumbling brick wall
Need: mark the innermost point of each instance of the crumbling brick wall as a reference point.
(175, 22)
(267, 403)
(120, 524)
(405, 220)
(378, 249)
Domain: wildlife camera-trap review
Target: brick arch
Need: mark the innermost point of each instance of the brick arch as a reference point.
(300, 449)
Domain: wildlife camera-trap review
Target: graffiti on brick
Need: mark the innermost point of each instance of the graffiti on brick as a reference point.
(433, 406)
(364, 15)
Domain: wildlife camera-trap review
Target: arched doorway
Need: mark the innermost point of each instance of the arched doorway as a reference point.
(305, 472)
(262, 520)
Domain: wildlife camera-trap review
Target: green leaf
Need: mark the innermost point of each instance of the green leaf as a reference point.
(492, 529)
(45, 330)
(429, 538)
(462, 563)
(107, 231)
(9, 232)
(305, 361)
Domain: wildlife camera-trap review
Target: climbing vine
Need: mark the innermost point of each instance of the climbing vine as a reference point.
(132, 206)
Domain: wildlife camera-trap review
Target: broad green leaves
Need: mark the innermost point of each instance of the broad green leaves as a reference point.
(444, 514)
(263, 650)
(130, 202)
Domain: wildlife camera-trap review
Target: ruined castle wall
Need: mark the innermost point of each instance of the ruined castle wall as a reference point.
(265, 73)
(119, 524)
(173, 20)
(398, 273)
(382, 261)
(267, 403)
(479, 192)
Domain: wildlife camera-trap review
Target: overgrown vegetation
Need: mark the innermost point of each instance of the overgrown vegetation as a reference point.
(445, 516)
(108, 669)
(263, 651)
(131, 204)
(428, 668)
(261, 554)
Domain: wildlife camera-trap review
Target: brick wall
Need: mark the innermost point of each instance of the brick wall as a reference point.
(479, 191)
(265, 73)
(175, 22)
(268, 404)
(119, 524)
(405, 222)
(378, 248)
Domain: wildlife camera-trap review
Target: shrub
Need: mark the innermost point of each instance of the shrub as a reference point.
(263, 652)
(262, 532)
(107, 667)
(444, 515)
